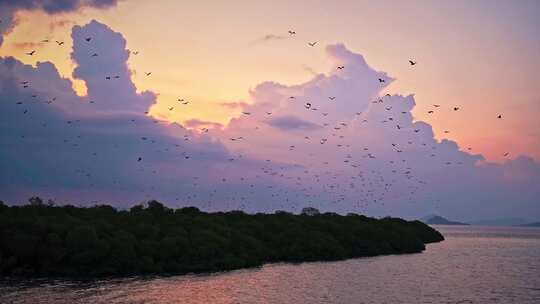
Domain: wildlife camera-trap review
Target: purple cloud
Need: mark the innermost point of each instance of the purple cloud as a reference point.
(102, 146)
(372, 155)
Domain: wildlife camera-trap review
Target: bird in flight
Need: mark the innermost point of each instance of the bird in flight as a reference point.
(59, 42)
(171, 108)
(148, 73)
(506, 154)
(332, 97)
(341, 67)
(292, 33)
(246, 113)
(31, 53)
(88, 39)
(500, 116)
(94, 55)
(312, 43)
(456, 108)
(412, 62)
(436, 105)
(308, 105)
(381, 80)
(430, 112)
(135, 52)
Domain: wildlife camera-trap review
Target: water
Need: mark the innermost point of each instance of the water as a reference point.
(473, 265)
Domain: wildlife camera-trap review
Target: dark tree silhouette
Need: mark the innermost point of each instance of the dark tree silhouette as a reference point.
(46, 240)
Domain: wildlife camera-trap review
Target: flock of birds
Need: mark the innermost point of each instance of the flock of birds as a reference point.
(307, 182)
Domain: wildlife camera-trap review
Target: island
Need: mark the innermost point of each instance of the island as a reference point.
(439, 220)
(45, 240)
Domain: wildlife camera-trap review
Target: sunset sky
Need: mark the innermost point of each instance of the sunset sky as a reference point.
(229, 57)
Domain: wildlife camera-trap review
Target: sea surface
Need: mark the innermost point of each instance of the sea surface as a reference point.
(473, 265)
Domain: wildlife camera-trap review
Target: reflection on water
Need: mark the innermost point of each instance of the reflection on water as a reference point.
(473, 265)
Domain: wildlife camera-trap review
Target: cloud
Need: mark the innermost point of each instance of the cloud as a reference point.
(371, 154)
(102, 146)
(291, 123)
(107, 75)
(355, 149)
(9, 8)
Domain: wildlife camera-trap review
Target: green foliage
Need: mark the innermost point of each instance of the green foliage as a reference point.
(47, 240)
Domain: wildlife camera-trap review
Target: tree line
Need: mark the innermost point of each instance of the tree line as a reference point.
(40, 239)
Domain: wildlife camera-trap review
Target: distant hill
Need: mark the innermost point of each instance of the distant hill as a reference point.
(439, 220)
(536, 224)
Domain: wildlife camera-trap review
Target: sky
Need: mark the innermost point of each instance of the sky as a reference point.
(213, 96)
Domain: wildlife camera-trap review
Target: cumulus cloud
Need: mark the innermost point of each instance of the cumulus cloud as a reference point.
(9, 8)
(371, 153)
(102, 64)
(102, 146)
